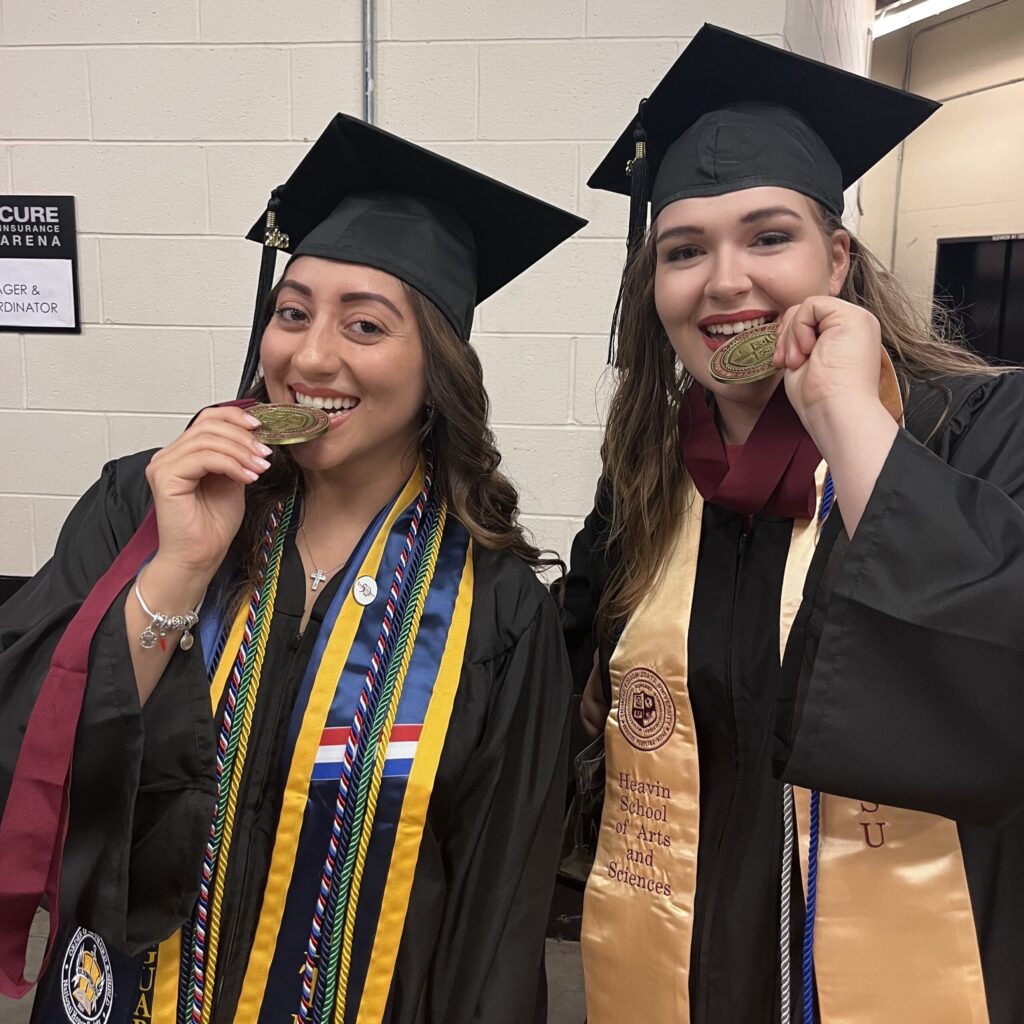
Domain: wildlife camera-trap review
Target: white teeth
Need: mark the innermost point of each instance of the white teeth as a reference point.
(737, 327)
(327, 404)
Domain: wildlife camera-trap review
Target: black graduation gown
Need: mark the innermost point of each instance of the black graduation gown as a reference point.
(143, 780)
(903, 683)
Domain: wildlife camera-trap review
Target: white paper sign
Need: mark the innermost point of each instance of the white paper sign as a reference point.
(37, 293)
(38, 264)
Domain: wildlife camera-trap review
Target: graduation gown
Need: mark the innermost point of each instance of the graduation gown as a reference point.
(903, 683)
(143, 785)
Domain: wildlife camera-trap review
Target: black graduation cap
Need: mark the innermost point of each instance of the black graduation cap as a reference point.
(363, 195)
(734, 113)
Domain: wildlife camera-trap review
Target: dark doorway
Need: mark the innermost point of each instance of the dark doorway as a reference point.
(981, 280)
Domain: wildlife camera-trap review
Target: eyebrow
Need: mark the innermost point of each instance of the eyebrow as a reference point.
(748, 218)
(303, 289)
(766, 212)
(372, 297)
(296, 286)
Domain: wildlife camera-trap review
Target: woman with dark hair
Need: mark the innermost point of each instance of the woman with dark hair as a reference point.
(800, 589)
(366, 826)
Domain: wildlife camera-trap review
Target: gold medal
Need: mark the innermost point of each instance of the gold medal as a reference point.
(288, 424)
(747, 357)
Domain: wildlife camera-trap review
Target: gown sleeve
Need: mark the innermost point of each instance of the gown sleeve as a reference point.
(579, 592)
(140, 779)
(501, 845)
(904, 679)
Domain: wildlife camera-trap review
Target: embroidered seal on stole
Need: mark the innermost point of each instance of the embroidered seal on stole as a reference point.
(86, 980)
(647, 715)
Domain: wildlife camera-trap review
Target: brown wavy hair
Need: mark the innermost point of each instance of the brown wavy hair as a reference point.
(642, 439)
(455, 430)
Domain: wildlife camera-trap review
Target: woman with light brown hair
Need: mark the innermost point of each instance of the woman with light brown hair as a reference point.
(800, 588)
(315, 693)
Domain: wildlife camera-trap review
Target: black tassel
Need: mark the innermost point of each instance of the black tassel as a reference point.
(638, 170)
(639, 185)
(273, 240)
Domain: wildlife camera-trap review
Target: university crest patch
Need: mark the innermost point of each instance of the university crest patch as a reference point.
(86, 980)
(647, 714)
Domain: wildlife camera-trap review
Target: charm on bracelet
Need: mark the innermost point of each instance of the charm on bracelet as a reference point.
(160, 625)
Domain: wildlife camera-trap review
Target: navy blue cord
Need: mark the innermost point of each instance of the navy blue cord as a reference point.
(812, 900)
(827, 495)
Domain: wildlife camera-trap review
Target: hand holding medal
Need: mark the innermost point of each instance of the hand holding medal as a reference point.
(831, 352)
(199, 480)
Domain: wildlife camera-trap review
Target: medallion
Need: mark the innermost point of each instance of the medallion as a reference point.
(747, 357)
(288, 424)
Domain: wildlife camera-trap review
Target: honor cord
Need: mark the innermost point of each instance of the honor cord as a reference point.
(812, 900)
(827, 501)
(789, 829)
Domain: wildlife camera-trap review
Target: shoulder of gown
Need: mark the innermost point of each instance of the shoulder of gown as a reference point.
(508, 599)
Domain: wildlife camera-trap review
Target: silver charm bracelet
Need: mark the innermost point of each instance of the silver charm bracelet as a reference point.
(160, 624)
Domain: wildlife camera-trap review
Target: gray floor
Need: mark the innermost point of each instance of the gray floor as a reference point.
(565, 982)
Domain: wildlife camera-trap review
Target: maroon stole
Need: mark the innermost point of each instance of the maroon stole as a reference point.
(35, 820)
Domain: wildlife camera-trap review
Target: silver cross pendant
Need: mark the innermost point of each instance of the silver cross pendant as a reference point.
(316, 578)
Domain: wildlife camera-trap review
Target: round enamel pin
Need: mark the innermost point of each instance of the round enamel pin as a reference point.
(364, 590)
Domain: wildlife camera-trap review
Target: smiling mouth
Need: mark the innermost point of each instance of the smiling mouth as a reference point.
(720, 332)
(333, 406)
(716, 335)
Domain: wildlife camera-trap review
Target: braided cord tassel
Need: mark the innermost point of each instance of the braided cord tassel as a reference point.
(788, 833)
(205, 932)
(181, 1014)
(361, 731)
(812, 899)
(313, 980)
(354, 816)
(828, 495)
(196, 979)
(254, 671)
(399, 671)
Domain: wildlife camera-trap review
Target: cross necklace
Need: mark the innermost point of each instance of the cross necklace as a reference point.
(317, 576)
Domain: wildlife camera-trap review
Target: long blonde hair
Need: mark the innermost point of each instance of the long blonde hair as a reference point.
(642, 438)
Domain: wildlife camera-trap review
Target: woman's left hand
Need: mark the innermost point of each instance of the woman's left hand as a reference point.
(831, 352)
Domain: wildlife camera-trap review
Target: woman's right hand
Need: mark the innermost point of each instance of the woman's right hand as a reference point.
(198, 483)
(593, 710)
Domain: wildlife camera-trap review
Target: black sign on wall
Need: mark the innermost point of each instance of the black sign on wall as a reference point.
(38, 264)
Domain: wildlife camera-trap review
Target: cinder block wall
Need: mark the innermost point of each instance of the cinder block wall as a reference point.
(170, 122)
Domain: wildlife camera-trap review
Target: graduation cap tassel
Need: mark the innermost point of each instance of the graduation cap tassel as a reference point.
(638, 170)
(273, 240)
(639, 198)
